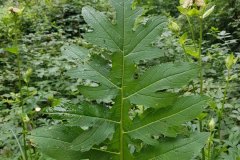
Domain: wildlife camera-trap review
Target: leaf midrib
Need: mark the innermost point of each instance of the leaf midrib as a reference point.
(122, 91)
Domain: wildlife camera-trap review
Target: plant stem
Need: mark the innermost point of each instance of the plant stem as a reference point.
(19, 62)
(200, 56)
(121, 129)
(192, 32)
(186, 55)
(21, 104)
(200, 126)
(223, 103)
(19, 145)
(201, 74)
(209, 150)
(209, 156)
(122, 111)
(201, 129)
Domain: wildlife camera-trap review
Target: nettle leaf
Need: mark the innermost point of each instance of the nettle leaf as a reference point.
(140, 116)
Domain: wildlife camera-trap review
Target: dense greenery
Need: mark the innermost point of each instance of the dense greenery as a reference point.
(126, 83)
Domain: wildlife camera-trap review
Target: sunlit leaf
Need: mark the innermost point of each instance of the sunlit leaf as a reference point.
(208, 12)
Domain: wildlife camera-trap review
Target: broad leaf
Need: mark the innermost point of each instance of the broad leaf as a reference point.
(165, 121)
(115, 128)
(164, 76)
(58, 142)
(180, 148)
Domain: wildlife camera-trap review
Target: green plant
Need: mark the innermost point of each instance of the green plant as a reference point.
(227, 11)
(229, 62)
(195, 12)
(138, 115)
(158, 7)
(39, 45)
(15, 14)
(211, 126)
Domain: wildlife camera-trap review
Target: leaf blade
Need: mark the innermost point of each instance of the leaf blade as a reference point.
(163, 121)
(184, 149)
(164, 76)
(110, 38)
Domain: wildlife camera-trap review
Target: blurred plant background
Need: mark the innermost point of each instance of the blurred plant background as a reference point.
(45, 25)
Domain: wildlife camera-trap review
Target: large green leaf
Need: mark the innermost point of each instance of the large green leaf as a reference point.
(113, 129)
(121, 37)
(96, 70)
(59, 142)
(84, 116)
(164, 121)
(180, 148)
(164, 76)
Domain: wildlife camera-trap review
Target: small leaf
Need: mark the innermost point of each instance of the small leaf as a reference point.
(174, 27)
(193, 12)
(192, 51)
(27, 75)
(13, 50)
(208, 12)
(182, 10)
(183, 38)
(202, 116)
(234, 76)
(230, 61)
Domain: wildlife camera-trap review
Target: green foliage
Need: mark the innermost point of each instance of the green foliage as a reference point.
(227, 11)
(109, 130)
(38, 44)
(158, 6)
(46, 25)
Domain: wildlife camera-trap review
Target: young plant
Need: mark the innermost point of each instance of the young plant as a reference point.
(15, 14)
(197, 10)
(140, 116)
(211, 126)
(230, 61)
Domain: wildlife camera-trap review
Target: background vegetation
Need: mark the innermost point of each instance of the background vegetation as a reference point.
(44, 26)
